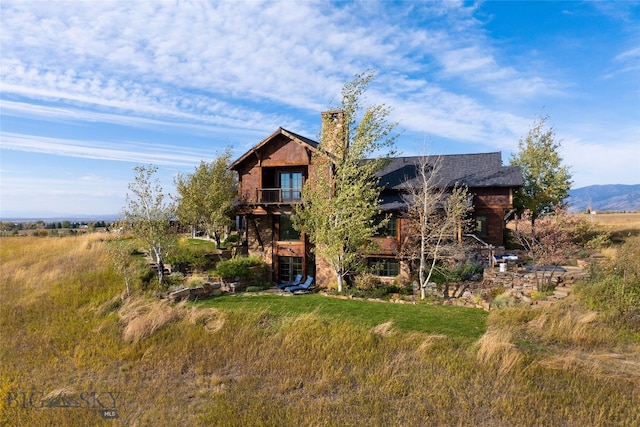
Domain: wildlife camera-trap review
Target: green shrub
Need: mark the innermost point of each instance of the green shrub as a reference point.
(174, 279)
(148, 278)
(466, 271)
(184, 259)
(250, 268)
(612, 295)
(503, 300)
(231, 238)
(367, 282)
(615, 287)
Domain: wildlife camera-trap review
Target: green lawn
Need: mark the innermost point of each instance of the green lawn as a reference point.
(201, 244)
(432, 319)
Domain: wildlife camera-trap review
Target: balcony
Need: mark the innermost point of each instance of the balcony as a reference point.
(279, 195)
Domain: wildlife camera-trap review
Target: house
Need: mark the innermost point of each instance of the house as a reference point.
(270, 180)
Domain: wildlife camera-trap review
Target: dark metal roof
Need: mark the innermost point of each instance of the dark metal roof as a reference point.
(472, 170)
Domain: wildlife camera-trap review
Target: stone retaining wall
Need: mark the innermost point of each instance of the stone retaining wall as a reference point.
(521, 279)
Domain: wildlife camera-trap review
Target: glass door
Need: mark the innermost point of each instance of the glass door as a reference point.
(291, 185)
(288, 268)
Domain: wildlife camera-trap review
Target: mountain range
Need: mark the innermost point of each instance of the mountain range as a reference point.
(614, 197)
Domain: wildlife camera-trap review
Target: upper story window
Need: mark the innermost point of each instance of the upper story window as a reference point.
(286, 231)
(280, 185)
(390, 229)
(290, 185)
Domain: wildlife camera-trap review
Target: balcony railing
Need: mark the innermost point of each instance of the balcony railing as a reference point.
(279, 195)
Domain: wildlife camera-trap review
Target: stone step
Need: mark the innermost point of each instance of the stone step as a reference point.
(561, 292)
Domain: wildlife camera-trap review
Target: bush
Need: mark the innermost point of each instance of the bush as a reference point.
(615, 288)
(367, 285)
(249, 268)
(467, 271)
(184, 259)
(174, 279)
(503, 300)
(231, 239)
(612, 295)
(148, 278)
(367, 282)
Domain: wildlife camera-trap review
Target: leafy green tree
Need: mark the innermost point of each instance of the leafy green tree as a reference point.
(148, 214)
(205, 197)
(546, 180)
(340, 201)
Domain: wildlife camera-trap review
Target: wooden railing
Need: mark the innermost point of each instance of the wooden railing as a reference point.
(279, 195)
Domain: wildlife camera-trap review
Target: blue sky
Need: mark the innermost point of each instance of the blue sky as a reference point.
(91, 89)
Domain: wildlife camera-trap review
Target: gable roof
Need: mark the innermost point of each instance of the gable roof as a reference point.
(313, 145)
(472, 170)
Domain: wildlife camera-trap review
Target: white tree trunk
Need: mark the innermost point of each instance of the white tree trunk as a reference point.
(159, 264)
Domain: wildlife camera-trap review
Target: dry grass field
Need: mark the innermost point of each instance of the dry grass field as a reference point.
(630, 220)
(76, 352)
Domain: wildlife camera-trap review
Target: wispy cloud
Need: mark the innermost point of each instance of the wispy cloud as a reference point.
(627, 62)
(254, 124)
(125, 151)
(196, 58)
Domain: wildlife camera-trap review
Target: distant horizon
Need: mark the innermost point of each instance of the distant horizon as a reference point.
(48, 216)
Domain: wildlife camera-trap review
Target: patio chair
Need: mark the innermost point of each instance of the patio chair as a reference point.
(295, 282)
(303, 287)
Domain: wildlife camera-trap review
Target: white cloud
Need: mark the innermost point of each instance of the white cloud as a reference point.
(195, 57)
(123, 151)
(252, 125)
(591, 162)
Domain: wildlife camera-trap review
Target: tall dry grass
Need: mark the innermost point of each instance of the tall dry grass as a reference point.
(183, 365)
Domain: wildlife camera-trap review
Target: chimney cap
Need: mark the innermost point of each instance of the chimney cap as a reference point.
(333, 113)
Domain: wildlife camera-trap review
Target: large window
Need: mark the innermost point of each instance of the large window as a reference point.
(289, 268)
(390, 229)
(291, 185)
(386, 267)
(481, 226)
(286, 230)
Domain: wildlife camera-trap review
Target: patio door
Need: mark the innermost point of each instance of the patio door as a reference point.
(291, 185)
(288, 268)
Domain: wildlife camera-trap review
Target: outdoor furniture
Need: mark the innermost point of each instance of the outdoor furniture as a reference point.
(295, 282)
(303, 287)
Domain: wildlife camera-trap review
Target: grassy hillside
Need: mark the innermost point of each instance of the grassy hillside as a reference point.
(74, 351)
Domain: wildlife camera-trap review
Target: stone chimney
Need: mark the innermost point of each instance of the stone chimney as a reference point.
(334, 137)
